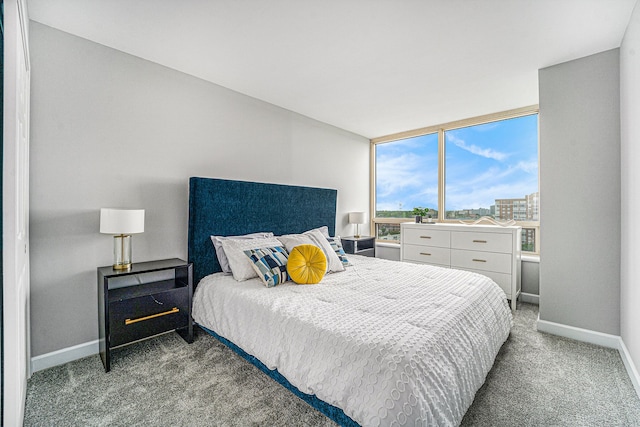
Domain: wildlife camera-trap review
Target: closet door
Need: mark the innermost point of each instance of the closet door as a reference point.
(15, 211)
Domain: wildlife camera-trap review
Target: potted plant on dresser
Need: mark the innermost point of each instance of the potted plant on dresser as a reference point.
(420, 213)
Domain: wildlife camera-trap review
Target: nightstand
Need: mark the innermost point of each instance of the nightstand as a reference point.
(364, 245)
(146, 300)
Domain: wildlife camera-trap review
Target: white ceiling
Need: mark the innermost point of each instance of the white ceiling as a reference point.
(373, 67)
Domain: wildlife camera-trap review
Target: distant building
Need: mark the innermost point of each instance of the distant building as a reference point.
(529, 239)
(507, 209)
(469, 213)
(388, 232)
(533, 206)
(526, 209)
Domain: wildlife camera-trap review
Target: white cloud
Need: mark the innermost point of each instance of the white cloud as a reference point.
(404, 181)
(483, 192)
(528, 167)
(474, 149)
(394, 173)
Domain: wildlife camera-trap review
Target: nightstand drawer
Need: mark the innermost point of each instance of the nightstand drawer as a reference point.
(484, 261)
(426, 235)
(136, 318)
(489, 242)
(427, 254)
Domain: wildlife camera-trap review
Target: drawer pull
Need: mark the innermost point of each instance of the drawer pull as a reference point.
(425, 237)
(153, 316)
(424, 253)
(479, 241)
(479, 260)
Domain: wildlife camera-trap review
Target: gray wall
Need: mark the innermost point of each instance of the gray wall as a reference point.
(113, 130)
(630, 136)
(580, 193)
(530, 275)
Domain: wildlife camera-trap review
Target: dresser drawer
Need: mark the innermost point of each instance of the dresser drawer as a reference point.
(484, 261)
(490, 242)
(136, 318)
(426, 255)
(426, 235)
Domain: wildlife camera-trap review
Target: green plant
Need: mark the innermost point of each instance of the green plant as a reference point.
(420, 211)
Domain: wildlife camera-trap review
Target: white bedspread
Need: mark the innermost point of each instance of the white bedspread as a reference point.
(389, 343)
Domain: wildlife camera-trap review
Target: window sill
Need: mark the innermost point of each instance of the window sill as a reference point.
(531, 258)
(388, 244)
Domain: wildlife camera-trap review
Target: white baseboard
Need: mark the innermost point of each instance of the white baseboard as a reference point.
(631, 367)
(597, 338)
(579, 334)
(65, 355)
(530, 298)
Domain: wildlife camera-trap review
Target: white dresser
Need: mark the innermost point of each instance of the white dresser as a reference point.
(491, 250)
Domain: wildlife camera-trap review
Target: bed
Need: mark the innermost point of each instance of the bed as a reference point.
(381, 343)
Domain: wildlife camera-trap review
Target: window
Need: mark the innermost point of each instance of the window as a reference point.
(406, 177)
(492, 170)
(488, 168)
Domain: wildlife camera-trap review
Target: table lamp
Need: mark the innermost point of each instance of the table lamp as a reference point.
(122, 223)
(356, 218)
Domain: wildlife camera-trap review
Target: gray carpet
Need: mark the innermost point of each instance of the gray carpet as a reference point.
(537, 380)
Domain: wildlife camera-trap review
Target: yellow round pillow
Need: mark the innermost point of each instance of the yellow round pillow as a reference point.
(306, 264)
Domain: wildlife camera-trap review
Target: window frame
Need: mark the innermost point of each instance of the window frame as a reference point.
(440, 130)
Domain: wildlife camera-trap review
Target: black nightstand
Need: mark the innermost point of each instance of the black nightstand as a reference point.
(149, 299)
(364, 245)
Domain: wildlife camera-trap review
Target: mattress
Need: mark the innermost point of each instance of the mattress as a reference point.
(389, 343)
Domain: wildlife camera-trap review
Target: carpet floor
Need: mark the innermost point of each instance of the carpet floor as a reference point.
(537, 380)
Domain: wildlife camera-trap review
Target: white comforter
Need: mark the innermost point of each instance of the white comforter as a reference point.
(389, 343)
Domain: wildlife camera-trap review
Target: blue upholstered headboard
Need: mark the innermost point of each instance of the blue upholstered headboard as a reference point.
(219, 207)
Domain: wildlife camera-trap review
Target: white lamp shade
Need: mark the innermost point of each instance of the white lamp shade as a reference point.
(121, 221)
(356, 218)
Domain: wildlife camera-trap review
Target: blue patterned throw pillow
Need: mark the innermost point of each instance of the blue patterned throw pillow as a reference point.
(270, 264)
(336, 245)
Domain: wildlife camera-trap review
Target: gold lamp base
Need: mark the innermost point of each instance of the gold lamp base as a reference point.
(122, 252)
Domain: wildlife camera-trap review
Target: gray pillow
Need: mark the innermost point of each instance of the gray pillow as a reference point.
(222, 257)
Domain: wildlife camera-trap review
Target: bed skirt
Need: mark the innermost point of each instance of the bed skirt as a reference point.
(330, 411)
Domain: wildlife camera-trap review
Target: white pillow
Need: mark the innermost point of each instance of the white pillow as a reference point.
(292, 240)
(222, 257)
(314, 237)
(333, 262)
(241, 266)
(324, 230)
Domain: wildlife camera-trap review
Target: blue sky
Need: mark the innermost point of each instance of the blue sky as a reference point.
(483, 163)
